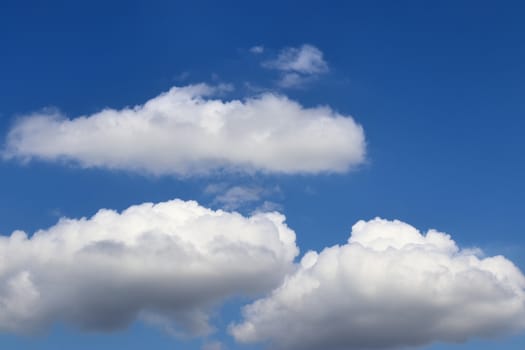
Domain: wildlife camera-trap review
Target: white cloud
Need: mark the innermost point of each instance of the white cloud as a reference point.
(299, 65)
(168, 264)
(267, 206)
(257, 49)
(306, 59)
(390, 286)
(289, 80)
(236, 197)
(185, 132)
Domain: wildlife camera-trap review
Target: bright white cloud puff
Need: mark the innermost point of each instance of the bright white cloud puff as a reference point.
(166, 263)
(184, 132)
(390, 286)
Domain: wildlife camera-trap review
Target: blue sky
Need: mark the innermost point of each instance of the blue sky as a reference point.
(436, 86)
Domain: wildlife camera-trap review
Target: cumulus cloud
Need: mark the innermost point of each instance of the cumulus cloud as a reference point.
(298, 65)
(389, 286)
(168, 264)
(186, 132)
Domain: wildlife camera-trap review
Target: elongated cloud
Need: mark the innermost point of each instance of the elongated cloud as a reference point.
(166, 263)
(184, 132)
(390, 286)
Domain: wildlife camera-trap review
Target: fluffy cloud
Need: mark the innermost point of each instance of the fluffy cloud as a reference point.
(185, 132)
(298, 65)
(389, 286)
(166, 263)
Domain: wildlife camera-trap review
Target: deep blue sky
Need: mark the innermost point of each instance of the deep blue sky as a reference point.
(437, 86)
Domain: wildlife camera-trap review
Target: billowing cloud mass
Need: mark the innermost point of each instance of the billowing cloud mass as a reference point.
(166, 263)
(389, 286)
(185, 132)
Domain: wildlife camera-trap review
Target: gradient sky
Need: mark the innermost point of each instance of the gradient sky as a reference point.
(437, 86)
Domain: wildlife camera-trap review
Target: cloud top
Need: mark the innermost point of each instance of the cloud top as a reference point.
(167, 264)
(389, 286)
(185, 132)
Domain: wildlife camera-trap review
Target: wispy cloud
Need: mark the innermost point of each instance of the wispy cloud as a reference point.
(257, 49)
(306, 59)
(298, 65)
(238, 196)
(243, 196)
(213, 345)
